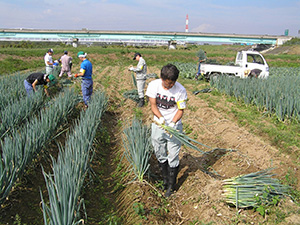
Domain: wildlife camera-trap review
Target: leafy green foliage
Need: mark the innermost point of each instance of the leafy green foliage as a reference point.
(293, 41)
(187, 70)
(201, 54)
(12, 65)
(139, 210)
(266, 200)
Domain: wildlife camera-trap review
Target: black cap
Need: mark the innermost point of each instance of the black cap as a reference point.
(50, 50)
(136, 54)
(65, 52)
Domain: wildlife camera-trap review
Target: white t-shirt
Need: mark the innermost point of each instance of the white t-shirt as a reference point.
(167, 101)
(48, 58)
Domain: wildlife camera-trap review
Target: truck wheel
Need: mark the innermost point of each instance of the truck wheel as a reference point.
(214, 76)
(254, 73)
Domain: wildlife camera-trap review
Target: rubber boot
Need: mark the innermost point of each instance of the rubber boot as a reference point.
(165, 173)
(141, 102)
(173, 171)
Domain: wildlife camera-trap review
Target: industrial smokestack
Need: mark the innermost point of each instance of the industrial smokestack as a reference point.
(187, 23)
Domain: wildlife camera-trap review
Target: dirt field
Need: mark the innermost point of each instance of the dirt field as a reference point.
(198, 198)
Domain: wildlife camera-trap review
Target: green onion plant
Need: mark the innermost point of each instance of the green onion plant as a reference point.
(71, 166)
(138, 148)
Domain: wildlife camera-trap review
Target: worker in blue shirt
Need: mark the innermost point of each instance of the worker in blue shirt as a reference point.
(86, 71)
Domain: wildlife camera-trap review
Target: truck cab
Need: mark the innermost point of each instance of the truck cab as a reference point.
(253, 64)
(247, 64)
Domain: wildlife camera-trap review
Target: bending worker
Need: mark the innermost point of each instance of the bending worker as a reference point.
(86, 71)
(35, 79)
(167, 98)
(141, 72)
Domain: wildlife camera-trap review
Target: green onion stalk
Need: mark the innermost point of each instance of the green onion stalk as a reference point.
(245, 191)
(133, 80)
(132, 94)
(184, 139)
(16, 113)
(25, 143)
(70, 168)
(138, 148)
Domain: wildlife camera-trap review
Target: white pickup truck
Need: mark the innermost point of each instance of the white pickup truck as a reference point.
(247, 64)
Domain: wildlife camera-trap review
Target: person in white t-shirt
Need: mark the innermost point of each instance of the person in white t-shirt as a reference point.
(167, 99)
(49, 61)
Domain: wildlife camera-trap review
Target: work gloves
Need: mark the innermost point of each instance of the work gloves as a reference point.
(172, 124)
(161, 120)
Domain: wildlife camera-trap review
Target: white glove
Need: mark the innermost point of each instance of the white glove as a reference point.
(172, 124)
(130, 68)
(161, 120)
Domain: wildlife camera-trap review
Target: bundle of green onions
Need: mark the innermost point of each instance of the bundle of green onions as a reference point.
(201, 54)
(133, 80)
(184, 139)
(132, 94)
(151, 75)
(244, 191)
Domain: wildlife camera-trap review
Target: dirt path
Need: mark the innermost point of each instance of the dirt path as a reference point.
(198, 196)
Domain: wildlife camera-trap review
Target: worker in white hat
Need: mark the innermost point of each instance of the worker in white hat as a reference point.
(86, 72)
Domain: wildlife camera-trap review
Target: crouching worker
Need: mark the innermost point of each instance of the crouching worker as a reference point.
(167, 99)
(35, 79)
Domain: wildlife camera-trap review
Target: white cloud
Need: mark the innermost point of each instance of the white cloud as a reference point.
(83, 2)
(205, 28)
(48, 12)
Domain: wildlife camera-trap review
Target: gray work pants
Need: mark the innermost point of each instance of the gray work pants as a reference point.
(49, 70)
(140, 83)
(166, 148)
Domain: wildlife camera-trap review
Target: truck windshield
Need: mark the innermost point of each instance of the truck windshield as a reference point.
(255, 59)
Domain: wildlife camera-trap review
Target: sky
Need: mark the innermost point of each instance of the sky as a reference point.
(265, 17)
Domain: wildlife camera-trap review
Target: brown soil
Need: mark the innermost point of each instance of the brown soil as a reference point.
(198, 198)
(199, 191)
